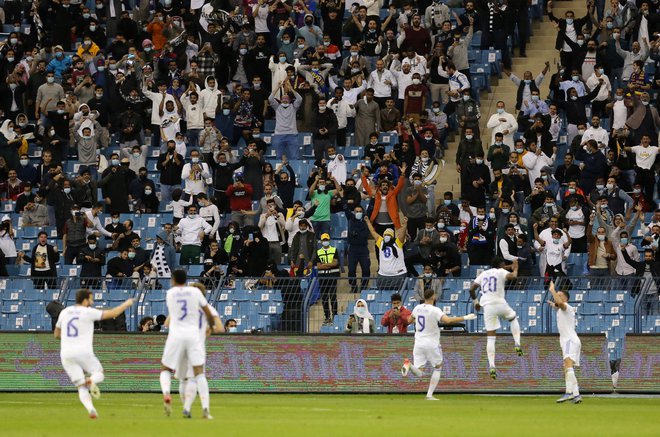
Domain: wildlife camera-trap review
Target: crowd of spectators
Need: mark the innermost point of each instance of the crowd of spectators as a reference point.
(192, 86)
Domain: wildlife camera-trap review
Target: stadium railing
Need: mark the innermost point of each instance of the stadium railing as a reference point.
(615, 306)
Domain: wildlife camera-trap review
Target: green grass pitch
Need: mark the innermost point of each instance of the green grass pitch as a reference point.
(61, 414)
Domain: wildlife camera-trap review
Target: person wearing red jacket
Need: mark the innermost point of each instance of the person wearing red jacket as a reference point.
(396, 319)
(240, 201)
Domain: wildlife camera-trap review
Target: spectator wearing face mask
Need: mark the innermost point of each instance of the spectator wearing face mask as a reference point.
(391, 263)
(556, 251)
(192, 230)
(446, 259)
(74, 235)
(361, 321)
(92, 259)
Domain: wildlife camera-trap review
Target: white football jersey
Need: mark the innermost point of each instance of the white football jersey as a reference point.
(566, 322)
(184, 305)
(492, 283)
(77, 327)
(427, 332)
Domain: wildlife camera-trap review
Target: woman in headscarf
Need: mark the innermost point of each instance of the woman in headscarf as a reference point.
(268, 175)
(361, 321)
(10, 143)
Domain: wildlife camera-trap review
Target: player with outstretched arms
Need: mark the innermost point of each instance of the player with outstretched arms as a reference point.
(427, 318)
(184, 373)
(569, 342)
(186, 307)
(75, 326)
(495, 307)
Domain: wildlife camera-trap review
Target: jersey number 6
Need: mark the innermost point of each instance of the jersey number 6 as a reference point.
(71, 330)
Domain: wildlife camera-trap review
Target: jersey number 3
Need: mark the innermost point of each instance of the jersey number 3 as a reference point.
(184, 308)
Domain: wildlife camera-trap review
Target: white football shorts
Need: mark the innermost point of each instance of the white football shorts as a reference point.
(181, 351)
(427, 354)
(77, 366)
(571, 348)
(494, 312)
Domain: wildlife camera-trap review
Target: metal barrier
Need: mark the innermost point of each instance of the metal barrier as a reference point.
(313, 304)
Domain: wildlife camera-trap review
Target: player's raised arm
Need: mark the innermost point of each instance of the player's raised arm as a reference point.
(118, 310)
(209, 316)
(514, 273)
(218, 326)
(451, 320)
(559, 302)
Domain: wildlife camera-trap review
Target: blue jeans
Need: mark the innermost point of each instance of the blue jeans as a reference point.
(286, 144)
(166, 193)
(192, 135)
(321, 228)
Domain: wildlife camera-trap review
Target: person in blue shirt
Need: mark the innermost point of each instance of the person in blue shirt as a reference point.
(358, 248)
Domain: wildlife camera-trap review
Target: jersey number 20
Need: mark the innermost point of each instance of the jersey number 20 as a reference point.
(489, 284)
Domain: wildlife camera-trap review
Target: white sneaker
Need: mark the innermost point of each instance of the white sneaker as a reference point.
(432, 398)
(405, 367)
(206, 414)
(94, 390)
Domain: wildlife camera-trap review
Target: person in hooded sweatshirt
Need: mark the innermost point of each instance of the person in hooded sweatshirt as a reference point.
(208, 97)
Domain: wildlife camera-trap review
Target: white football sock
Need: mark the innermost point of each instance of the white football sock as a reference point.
(190, 394)
(415, 370)
(571, 381)
(85, 398)
(490, 350)
(165, 381)
(203, 390)
(183, 383)
(97, 377)
(515, 331)
(435, 378)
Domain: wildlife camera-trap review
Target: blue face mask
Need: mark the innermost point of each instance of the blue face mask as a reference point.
(624, 241)
(569, 21)
(359, 215)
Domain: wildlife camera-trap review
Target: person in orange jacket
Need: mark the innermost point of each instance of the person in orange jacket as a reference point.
(389, 194)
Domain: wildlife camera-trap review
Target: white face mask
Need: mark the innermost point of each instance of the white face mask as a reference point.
(92, 246)
(443, 239)
(387, 238)
(601, 237)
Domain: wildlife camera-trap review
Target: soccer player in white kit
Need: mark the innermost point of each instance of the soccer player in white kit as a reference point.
(184, 373)
(569, 342)
(427, 349)
(75, 326)
(186, 306)
(495, 307)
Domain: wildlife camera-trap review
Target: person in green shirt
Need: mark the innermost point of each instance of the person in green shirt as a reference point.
(319, 193)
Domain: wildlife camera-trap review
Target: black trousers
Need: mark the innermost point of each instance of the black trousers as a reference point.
(328, 291)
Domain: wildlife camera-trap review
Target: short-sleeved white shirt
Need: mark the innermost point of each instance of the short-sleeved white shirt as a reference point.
(645, 156)
(566, 322)
(184, 305)
(77, 327)
(391, 265)
(492, 283)
(427, 332)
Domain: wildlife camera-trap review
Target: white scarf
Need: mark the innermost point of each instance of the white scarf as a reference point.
(338, 169)
(366, 316)
(9, 133)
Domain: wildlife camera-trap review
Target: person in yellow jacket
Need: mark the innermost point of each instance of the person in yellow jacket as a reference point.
(327, 264)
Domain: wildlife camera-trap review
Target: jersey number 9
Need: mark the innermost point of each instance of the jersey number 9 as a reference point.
(421, 323)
